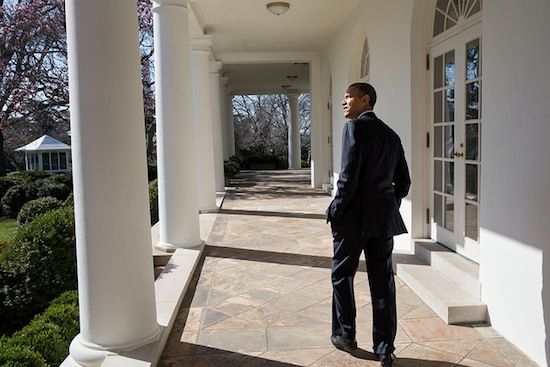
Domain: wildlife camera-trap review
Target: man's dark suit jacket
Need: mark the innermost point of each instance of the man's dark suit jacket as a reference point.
(374, 176)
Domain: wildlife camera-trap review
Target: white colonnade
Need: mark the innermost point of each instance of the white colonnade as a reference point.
(216, 107)
(294, 149)
(202, 100)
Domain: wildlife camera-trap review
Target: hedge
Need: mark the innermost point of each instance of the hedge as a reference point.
(45, 340)
(34, 208)
(39, 264)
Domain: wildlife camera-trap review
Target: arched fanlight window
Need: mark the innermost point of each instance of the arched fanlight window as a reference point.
(365, 61)
(449, 12)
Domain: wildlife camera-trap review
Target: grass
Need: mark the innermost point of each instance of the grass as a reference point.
(8, 227)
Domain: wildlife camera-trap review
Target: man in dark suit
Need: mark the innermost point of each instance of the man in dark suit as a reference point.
(364, 216)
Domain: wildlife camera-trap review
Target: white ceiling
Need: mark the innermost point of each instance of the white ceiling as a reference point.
(260, 50)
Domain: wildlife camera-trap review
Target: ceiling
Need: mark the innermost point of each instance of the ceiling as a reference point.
(259, 50)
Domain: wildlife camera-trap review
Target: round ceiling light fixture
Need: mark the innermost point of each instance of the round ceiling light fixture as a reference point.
(278, 7)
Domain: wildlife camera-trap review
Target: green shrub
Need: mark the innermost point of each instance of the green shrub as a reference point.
(15, 197)
(4, 244)
(231, 168)
(152, 170)
(27, 176)
(34, 208)
(39, 265)
(46, 339)
(20, 356)
(267, 160)
(48, 187)
(65, 178)
(5, 184)
(154, 201)
(69, 202)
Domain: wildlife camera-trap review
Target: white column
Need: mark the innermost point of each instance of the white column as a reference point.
(200, 53)
(113, 236)
(294, 150)
(317, 164)
(228, 131)
(177, 173)
(216, 106)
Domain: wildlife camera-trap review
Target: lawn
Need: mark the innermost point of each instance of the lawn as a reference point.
(8, 227)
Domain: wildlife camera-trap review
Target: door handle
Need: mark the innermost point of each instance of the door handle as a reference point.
(458, 155)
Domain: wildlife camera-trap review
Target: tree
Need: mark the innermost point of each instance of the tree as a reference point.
(34, 95)
(33, 65)
(261, 123)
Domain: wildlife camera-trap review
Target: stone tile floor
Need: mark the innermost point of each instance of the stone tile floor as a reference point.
(261, 295)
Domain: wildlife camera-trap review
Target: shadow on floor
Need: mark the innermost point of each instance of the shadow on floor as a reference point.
(269, 256)
(271, 214)
(203, 356)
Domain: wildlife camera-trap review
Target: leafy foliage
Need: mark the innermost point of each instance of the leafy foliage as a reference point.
(34, 208)
(39, 264)
(45, 340)
(154, 201)
(34, 95)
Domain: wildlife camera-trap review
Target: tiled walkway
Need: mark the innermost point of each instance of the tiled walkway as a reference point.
(261, 296)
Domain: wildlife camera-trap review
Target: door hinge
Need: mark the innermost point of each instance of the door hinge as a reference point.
(427, 215)
(427, 61)
(427, 139)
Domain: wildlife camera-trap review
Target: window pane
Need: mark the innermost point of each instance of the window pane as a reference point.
(476, 8)
(449, 213)
(472, 60)
(438, 176)
(472, 221)
(62, 160)
(454, 10)
(450, 68)
(55, 160)
(438, 209)
(472, 101)
(439, 23)
(438, 141)
(449, 177)
(472, 142)
(449, 141)
(438, 107)
(450, 105)
(438, 72)
(46, 161)
(471, 181)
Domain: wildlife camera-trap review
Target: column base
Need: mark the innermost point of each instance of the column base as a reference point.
(168, 247)
(88, 354)
(85, 353)
(213, 209)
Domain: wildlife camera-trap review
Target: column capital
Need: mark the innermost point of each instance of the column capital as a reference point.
(215, 67)
(182, 3)
(201, 42)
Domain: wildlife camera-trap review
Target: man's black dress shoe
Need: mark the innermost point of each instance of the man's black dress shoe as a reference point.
(344, 344)
(386, 360)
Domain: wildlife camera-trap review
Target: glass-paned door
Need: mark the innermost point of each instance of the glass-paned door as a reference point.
(456, 149)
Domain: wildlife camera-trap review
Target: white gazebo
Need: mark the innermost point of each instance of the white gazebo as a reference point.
(46, 154)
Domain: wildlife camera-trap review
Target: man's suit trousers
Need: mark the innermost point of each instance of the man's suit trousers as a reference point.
(349, 243)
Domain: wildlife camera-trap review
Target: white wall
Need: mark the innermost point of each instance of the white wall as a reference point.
(514, 197)
(387, 26)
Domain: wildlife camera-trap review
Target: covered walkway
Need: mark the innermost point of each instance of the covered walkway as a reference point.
(261, 294)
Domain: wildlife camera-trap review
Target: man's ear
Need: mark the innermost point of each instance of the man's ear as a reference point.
(366, 99)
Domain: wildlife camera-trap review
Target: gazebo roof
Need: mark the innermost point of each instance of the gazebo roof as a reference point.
(45, 143)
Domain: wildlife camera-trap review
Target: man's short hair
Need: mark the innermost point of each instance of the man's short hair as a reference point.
(366, 88)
